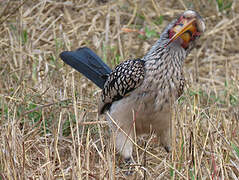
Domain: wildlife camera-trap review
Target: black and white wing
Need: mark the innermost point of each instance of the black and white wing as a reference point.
(126, 77)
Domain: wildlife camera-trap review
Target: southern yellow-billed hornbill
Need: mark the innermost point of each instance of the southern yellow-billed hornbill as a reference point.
(141, 91)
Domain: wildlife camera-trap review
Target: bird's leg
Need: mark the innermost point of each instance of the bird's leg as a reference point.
(162, 127)
(123, 144)
(122, 124)
(125, 147)
(165, 139)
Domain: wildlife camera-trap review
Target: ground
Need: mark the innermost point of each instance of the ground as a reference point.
(49, 127)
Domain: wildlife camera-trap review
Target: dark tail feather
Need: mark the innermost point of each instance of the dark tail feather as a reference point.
(88, 63)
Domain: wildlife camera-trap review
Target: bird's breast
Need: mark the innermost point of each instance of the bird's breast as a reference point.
(160, 88)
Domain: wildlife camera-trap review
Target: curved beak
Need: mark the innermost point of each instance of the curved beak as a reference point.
(183, 26)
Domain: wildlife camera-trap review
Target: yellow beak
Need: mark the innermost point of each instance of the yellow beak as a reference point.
(188, 25)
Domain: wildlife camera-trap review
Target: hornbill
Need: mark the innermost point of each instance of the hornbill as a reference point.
(141, 91)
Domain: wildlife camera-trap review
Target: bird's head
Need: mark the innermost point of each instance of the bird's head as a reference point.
(179, 36)
(185, 30)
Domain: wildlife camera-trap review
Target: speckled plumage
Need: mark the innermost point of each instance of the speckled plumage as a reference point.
(141, 92)
(148, 105)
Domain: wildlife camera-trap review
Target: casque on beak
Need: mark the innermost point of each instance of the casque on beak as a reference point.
(186, 29)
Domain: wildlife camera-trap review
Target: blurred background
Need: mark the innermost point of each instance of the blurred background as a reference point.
(49, 127)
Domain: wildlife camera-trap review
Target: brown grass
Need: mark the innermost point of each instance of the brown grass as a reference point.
(49, 127)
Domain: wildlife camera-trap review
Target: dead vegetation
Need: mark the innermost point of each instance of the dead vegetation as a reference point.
(49, 127)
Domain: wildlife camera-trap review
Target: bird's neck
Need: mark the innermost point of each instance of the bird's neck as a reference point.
(164, 69)
(165, 58)
(163, 75)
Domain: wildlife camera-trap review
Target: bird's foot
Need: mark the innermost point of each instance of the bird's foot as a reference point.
(129, 164)
(168, 148)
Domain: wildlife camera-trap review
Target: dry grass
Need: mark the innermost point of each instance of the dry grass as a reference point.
(49, 127)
